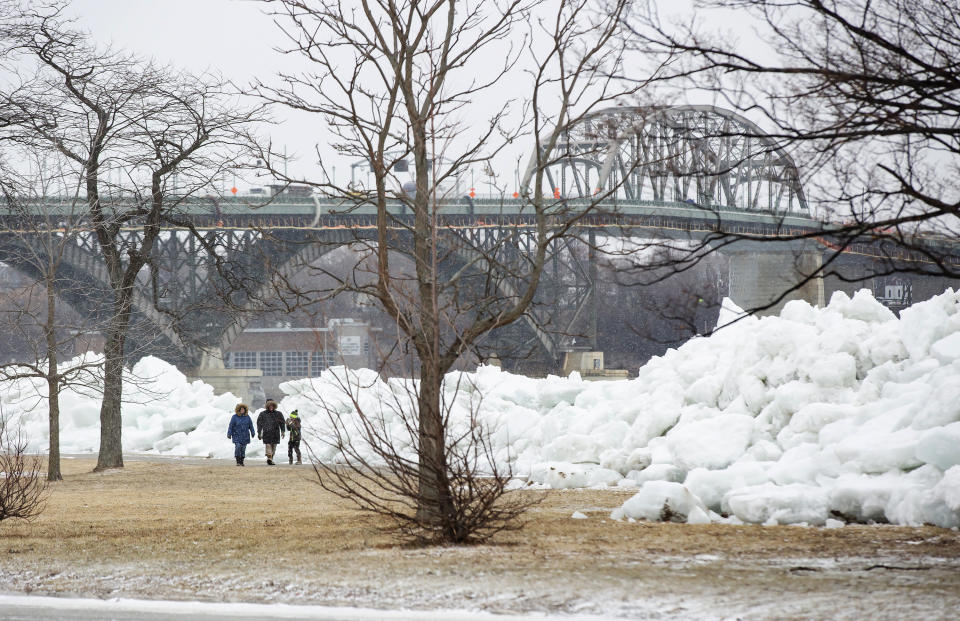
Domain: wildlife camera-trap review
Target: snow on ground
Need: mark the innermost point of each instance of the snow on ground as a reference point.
(32, 607)
(842, 412)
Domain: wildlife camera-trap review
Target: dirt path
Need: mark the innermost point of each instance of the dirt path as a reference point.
(207, 530)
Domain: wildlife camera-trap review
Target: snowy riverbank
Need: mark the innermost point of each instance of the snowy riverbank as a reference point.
(842, 413)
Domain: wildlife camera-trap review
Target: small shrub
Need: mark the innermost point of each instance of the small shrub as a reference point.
(23, 488)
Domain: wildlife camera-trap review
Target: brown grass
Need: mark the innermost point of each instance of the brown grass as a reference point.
(209, 530)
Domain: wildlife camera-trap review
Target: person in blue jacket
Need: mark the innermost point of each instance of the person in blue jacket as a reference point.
(240, 431)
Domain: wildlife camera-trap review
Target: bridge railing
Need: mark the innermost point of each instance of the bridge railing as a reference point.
(256, 211)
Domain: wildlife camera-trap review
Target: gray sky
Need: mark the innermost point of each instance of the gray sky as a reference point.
(230, 36)
(233, 38)
(236, 39)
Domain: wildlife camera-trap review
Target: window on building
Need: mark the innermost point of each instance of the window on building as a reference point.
(296, 363)
(322, 360)
(242, 360)
(271, 363)
(317, 363)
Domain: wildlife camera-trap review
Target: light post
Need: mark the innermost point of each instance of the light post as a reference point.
(517, 173)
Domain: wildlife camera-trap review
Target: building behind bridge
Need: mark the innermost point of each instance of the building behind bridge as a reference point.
(284, 352)
(261, 358)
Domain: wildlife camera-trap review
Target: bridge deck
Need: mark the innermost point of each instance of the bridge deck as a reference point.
(325, 213)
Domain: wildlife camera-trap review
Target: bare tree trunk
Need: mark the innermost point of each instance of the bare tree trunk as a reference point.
(111, 445)
(53, 386)
(453, 492)
(434, 504)
(111, 421)
(53, 459)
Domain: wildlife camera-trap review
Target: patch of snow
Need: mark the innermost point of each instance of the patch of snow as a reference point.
(843, 410)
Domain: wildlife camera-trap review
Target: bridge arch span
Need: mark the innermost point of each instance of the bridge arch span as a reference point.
(697, 154)
(307, 253)
(461, 255)
(88, 289)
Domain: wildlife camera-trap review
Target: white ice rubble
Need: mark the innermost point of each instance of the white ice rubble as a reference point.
(817, 416)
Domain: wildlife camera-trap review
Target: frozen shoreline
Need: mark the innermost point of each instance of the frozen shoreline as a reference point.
(689, 587)
(818, 416)
(123, 609)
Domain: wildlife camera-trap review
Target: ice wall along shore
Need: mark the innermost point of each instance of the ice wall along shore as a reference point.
(843, 412)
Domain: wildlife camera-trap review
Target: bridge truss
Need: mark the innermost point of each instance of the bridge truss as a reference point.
(694, 154)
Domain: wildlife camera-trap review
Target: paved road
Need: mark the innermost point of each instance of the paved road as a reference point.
(32, 608)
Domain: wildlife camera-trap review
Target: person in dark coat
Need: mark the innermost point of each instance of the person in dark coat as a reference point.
(240, 430)
(270, 428)
(293, 444)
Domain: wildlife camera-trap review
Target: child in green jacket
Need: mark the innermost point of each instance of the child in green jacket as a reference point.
(293, 444)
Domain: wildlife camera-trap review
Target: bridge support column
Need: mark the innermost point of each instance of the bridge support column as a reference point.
(759, 276)
(245, 384)
(594, 292)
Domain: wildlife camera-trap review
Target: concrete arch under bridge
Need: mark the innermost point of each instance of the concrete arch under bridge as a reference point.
(173, 306)
(182, 284)
(469, 252)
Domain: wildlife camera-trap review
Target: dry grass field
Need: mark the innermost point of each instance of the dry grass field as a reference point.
(207, 530)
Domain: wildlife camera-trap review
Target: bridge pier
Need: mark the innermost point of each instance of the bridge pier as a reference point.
(246, 384)
(759, 275)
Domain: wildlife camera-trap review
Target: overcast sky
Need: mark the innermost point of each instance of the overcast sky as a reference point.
(233, 38)
(236, 39)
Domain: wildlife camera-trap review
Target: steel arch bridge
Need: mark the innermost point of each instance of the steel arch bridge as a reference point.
(681, 171)
(685, 154)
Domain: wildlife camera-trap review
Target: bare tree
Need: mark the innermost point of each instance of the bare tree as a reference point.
(140, 138)
(23, 487)
(371, 459)
(38, 231)
(866, 96)
(398, 85)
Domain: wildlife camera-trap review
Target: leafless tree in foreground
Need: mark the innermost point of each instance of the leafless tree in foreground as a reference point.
(366, 453)
(399, 84)
(140, 138)
(36, 234)
(864, 95)
(23, 487)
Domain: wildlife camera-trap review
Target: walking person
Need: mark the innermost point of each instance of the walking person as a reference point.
(240, 430)
(293, 444)
(270, 428)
